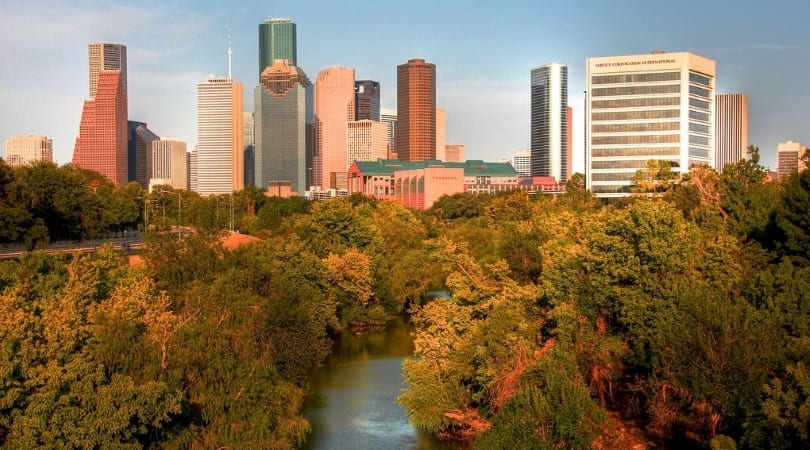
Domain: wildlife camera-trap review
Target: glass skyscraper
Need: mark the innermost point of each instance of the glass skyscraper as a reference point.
(367, 100)
(549, 124)
(283, 121)
(277, 40)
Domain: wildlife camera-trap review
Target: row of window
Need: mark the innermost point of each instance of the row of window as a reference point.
(700, 92)
(627, 164)
(636, 115)
(636, 151)
(636, 102)
(699, 152)
(696, 103)
(636, 127)
(695, 77)
(647, 139)
(636, 90)
(636, 78)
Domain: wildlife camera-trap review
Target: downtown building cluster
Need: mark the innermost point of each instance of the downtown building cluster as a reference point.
(326, 137)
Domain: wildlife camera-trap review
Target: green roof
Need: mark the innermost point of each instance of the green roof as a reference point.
(473, 167)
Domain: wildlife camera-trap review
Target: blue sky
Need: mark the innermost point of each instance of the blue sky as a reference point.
(483, 52)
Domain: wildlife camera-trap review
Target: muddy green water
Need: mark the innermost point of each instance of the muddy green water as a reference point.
(354, 404)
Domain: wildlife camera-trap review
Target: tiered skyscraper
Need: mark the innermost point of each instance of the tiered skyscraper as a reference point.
(416, 111)
(334, 109)
(283, 124)
(549, 122)
(220, 150)
(731, 127)
(284, 116)
(657, 106)
(102, 141)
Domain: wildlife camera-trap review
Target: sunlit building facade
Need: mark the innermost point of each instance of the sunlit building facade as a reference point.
(731, 127)
(441, 134)
(220, 149)
(549, 121)
(416, 111)
(366, 140)
(27, 149)
(170, 162)
(454, 153)
(334, 109)
(388, 116)
(658, 106)
(522, 162)
(102, 141)
(790, 158)
(106, 57)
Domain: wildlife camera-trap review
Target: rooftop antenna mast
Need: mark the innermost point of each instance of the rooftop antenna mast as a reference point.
(230, 53)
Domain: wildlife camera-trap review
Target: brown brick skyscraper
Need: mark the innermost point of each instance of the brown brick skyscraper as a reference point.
(416, 109)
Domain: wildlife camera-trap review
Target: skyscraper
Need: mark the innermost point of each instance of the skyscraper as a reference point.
(249, 141)
(283, 119)
(106, 56)
(367, 100)
(139, 152)
(389, 118)
(24, 150)
(220, 150)
(549, 121)
(277, 40)
(169, 162)
(416, 111)
(789, 158)
(658, 106)
(441, 134)
(731, 125)
(102, 141)
(334, 109)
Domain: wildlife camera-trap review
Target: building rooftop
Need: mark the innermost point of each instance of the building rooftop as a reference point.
(471, 167)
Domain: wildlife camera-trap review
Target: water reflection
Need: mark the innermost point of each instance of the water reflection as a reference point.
(354, 403)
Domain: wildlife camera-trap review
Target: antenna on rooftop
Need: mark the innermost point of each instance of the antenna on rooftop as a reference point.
(230, 53)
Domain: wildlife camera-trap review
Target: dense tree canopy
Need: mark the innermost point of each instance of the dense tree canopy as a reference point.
(676, 320)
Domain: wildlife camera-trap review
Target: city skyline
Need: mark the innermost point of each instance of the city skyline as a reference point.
(487, 104)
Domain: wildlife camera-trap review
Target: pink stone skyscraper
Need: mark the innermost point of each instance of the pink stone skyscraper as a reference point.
(102, 141)
(334, 109)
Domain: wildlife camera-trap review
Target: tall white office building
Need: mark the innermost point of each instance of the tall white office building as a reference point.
(549, 121)
(658, 106)
(220, 150)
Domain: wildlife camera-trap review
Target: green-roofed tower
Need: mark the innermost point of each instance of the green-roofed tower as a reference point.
(277, 40)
